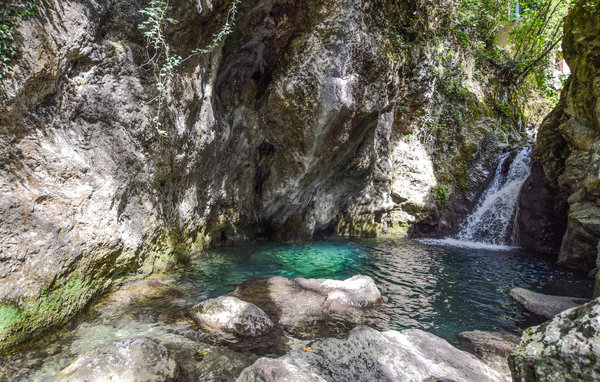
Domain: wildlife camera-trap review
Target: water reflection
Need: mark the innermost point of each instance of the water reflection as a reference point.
(444, 290)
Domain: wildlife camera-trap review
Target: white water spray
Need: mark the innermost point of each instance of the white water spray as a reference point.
(488, 226)
(491, 220)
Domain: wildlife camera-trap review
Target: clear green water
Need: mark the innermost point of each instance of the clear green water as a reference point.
(444, 290)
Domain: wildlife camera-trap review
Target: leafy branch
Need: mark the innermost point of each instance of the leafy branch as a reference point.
(537, 36)
(162, 60)
(11, 13)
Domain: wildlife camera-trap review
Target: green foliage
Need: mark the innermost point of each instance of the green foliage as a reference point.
(11, 13)
(537, 35)
(504, 109)
(162, 59)
(534, 36)
(455, 86)
(478, 22)
(441, 195)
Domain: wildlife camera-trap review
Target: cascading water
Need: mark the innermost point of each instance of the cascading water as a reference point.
(491, 220)
(488, 226)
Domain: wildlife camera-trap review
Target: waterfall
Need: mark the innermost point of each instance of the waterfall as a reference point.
(491, 220)
(488, 226)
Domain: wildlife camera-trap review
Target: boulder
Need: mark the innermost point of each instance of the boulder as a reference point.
(566, 348)
(232, 316)
(138, 359)
(493, 348)
(355, 291)
(316, 307)
(370, 355)
(543, 305)
(205, 362)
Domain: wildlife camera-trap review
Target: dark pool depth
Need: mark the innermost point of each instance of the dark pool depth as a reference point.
(444, 290)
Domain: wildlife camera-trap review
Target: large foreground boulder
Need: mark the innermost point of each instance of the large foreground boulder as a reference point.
(493, 348)
(370, 355)
(566, 348)
(316, 307)
(542, 304)
(238, 324)
(230, 315)
(138, 359)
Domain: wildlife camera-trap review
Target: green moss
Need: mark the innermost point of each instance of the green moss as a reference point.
(397, 230)
(9, 315)
(59, 302)
(17, 322)
(363, 228)
(593, 189)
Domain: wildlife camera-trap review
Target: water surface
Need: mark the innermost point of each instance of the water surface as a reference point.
(441, 289)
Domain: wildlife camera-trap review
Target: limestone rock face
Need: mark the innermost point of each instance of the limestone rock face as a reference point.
(568, 148)
(294, 126)
(566, 348)
(369, 355)
(232, 315)
(541, 304)
(316, 307)
(138, 359)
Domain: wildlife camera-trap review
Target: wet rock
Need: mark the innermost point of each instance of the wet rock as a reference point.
(568, 142)
(316, 307)
(205, 362)
(355, 291)
(566, 348)
(493, 348)
(238, 324)
(232, 316)
(543, 210)
(543, 305)
(139, 359)
(369, 355)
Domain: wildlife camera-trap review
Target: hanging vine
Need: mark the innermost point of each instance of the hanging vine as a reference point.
(163, 60)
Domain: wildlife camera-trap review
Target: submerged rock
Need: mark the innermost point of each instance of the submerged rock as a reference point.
(543, 305)
(232, 316)
(566, 348)
(369, 355)
(316, 307)
(238, 324)
(205, 362)
(493, 348)
(138, 359)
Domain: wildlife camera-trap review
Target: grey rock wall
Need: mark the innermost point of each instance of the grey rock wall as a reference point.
(567, 196)
(297, 125)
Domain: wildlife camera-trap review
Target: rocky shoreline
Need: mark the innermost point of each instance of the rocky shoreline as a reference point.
(318, 330)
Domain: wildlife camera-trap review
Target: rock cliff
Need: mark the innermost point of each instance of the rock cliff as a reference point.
(563, 194)
(336, 116)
